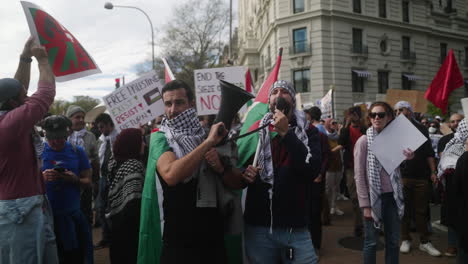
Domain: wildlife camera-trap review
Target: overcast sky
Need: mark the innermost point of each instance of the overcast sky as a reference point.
(118, 39)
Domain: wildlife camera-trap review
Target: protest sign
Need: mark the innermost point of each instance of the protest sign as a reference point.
(208, 90)
(415, 98)
(136, 103)
(326, 105)
(67, 57)
(399, 135)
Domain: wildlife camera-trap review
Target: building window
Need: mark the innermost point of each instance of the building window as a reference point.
(383, 81)
(298, 6)
(405, 82)
(405, 48)
(405, 10)
(358, 82)
(300, 40)
(443, 52)
(466, 56)
(383, 8)
(302, 80)
(357, 6)
(357, 40)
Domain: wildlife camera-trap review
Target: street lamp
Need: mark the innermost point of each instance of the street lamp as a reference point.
(109, 5)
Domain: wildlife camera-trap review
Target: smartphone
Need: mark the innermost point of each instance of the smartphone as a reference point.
(61, 170)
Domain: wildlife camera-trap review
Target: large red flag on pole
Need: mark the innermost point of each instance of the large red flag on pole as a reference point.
(447, 79)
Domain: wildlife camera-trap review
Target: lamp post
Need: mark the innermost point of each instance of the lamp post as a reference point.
(109, 5)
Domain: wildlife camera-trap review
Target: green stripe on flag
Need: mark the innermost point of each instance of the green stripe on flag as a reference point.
(52, 55)
(70, 56)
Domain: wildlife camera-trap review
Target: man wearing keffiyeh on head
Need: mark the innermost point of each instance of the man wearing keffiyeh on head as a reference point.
(415, 175)
(277, 206)
(196, 182)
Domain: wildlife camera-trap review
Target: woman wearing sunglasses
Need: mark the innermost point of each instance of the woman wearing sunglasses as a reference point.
(380, 194)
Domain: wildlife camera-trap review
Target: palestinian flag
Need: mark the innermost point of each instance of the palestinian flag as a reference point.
(247, 145)
(168, 75)
(249, 85)
(68, 59)
(152, 214)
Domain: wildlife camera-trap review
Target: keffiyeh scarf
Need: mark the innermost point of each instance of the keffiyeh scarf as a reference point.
(375, 189)
(76, 138)
(183, 133)
(126, 184)
(265, 161)
(454, 149)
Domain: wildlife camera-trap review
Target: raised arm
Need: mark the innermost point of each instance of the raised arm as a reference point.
(23, 73)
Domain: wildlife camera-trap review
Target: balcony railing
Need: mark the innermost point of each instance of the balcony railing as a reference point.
(301, 47)
(408, 55)
(359, 49)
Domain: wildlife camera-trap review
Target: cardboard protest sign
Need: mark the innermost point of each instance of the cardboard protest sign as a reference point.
(67, 57)
(208, 90)
(326, 105)
(415, 98)
(137, 102)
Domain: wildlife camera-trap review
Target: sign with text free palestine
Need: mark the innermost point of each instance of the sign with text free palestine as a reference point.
(136, 103)
(208, 89)
(68, 59)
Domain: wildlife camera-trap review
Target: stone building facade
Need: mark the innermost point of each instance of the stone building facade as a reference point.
(359, 48)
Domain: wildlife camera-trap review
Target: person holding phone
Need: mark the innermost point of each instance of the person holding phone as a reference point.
(65, 169)
(380, 194)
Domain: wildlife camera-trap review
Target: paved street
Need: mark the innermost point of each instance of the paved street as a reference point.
(333, 253)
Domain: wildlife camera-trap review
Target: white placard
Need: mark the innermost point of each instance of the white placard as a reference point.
(464, 102)
(399, 135)
(136, 103)
(326, 105)
(208, 90)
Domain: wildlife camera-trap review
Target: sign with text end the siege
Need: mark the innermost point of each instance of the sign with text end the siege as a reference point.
(208, 89)
(136, 103)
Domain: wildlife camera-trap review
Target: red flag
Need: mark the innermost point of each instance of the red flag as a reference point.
(447, 79)
(262, 95)
(248, 81)
(168, 75)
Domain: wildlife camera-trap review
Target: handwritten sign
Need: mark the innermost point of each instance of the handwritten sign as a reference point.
(208, 90)
(326, 105)
(136, 103)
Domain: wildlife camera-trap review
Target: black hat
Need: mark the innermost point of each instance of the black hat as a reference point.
(56, 127)
(9, 88)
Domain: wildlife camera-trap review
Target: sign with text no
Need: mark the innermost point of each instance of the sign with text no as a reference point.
(136, 103)
(208, 90)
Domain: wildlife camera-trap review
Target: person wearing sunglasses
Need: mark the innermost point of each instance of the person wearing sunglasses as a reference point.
(380, 194)
(416, 174)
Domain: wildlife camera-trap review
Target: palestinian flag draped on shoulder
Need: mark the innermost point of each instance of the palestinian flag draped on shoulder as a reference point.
(152, 214)
(247, 145)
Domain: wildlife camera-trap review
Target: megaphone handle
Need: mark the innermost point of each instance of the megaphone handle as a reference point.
(255, 161)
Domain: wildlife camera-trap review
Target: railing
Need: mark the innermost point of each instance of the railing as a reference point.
(408, 55)
(301, 47)
(359, 49)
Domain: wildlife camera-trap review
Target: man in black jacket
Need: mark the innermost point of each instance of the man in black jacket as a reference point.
(415, 174)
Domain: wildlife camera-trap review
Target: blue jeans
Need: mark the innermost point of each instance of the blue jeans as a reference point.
(263, 247)
(391, 221)
(27, 231)
(101, 206)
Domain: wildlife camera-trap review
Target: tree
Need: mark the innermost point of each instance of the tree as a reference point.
(59, 106)
(193, 38)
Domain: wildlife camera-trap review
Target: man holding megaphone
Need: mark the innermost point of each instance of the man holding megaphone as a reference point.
(276, 211)
(196, 181)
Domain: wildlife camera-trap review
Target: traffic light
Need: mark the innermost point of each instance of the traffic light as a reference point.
(117, 83)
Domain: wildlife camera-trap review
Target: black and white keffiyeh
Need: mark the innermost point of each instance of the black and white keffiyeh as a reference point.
(126, 184)
(183, 133)
(375, 188)
(454, 148)
(265, 161)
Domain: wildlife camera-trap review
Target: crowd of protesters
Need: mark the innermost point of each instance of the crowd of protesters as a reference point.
(54, 189)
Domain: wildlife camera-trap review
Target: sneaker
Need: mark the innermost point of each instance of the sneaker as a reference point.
(405, 246)
(338, 212)
(430, 249)
(332, 211)
(341, 197)
(451, 252)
